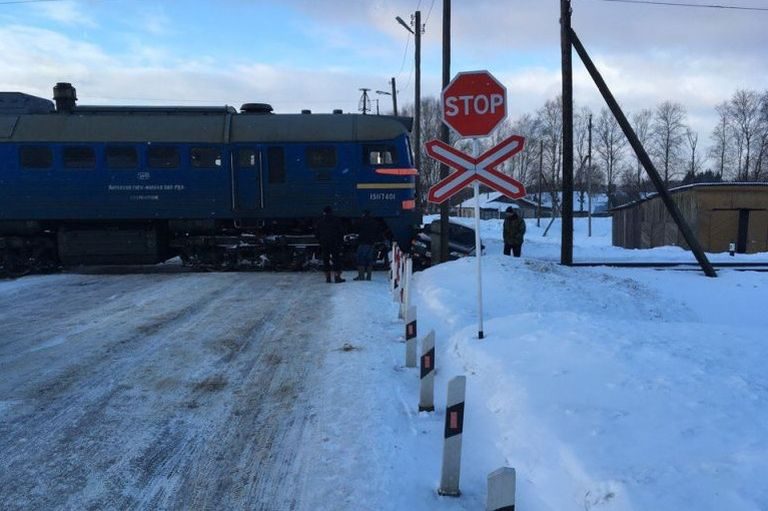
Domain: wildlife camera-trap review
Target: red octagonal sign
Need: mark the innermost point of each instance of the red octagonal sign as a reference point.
(474, 103)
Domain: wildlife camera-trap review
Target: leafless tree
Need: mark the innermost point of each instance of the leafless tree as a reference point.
(668, 135)
(748, 128)
(692, 142)
(525, 165)
(642, 123)
(721, 151)
(610, 144)
(550, 120)
(761, 166)
(581, 150)
(431, 122)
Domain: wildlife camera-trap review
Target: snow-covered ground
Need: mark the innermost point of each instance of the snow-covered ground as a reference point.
(605, 388)
(620, 389)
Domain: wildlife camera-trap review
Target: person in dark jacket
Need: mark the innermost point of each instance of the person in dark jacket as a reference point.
(330, 234)
(514, 231)
(368, 234)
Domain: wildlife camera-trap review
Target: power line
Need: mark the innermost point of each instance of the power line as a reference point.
(405, 56)
(429, 13)
(7, 2)
(683, 4)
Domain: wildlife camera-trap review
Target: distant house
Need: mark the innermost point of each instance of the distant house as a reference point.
(719, 214)
(493, 205)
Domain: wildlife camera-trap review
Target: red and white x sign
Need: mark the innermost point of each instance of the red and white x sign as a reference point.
(481, 168)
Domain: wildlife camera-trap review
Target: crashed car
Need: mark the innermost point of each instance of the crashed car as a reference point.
(461, 243)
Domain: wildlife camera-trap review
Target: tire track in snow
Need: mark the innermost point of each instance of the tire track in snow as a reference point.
(192, 407)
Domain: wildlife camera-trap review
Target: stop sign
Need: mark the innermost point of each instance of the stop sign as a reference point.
(474, 103)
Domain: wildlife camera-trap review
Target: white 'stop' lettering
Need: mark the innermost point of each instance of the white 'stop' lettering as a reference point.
(482, 104)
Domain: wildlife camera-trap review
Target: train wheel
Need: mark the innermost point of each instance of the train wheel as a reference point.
(15, 265)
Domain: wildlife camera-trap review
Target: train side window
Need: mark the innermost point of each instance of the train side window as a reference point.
(276, 162)
(205, 157)
(380, 155)
(321, 157)
(79, 157)
(246, 158)
(163, 157)
(121, 157)
(35, 157)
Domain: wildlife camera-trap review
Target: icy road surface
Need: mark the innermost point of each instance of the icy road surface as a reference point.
(197, 391)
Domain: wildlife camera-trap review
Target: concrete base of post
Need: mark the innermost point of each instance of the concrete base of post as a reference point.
(501, 490)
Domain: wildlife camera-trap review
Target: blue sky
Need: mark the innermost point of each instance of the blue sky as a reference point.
(316, 54)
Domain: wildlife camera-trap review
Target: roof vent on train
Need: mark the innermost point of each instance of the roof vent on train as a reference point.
(306, 112)
(256, 108)
(338, 111)
(65, 97)
(16, 103)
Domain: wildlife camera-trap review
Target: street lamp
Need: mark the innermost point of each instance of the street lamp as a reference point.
(394, 97)
(404, 24)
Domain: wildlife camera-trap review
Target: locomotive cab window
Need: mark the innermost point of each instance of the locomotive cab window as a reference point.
(163, 157)
(121, 157)
(380, 155)
(205, 157)
(321, 157)
(79, 157)
(35, 157)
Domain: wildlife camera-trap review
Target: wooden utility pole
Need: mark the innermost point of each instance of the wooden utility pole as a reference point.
(566, 246)
(394, 97)
(642, 155)
(417, 108)
(444, 132)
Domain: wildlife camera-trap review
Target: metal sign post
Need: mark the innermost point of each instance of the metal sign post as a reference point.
(478, 248)
(473, 104)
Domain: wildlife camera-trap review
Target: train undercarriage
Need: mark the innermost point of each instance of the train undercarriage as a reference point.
(35, 247)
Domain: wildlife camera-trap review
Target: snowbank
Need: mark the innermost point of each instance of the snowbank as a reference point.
(606, 388)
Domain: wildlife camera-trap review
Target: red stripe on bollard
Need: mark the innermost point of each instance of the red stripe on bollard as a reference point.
(410, 330)
(454, 420)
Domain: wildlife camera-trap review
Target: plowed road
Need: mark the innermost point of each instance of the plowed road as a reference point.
(185, 391)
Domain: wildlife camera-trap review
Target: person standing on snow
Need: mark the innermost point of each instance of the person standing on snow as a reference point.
(368, 235)
(330, 234)
(514, 231)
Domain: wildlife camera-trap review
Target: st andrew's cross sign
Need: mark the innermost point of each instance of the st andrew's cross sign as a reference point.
(481, 168)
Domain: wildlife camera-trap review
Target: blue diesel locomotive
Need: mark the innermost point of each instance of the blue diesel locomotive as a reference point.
(219, 188)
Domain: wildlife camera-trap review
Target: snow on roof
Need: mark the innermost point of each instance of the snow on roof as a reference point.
(490, 200)
(498, 202)
(683, 188)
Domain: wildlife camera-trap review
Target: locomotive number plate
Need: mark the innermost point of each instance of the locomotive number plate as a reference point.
(381, 196)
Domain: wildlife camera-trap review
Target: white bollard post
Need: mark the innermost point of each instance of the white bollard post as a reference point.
(391, 256)
(406, 287)
(454, 427)
(501, 490)
(396, 273)
(427, 391)
(410, 337)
